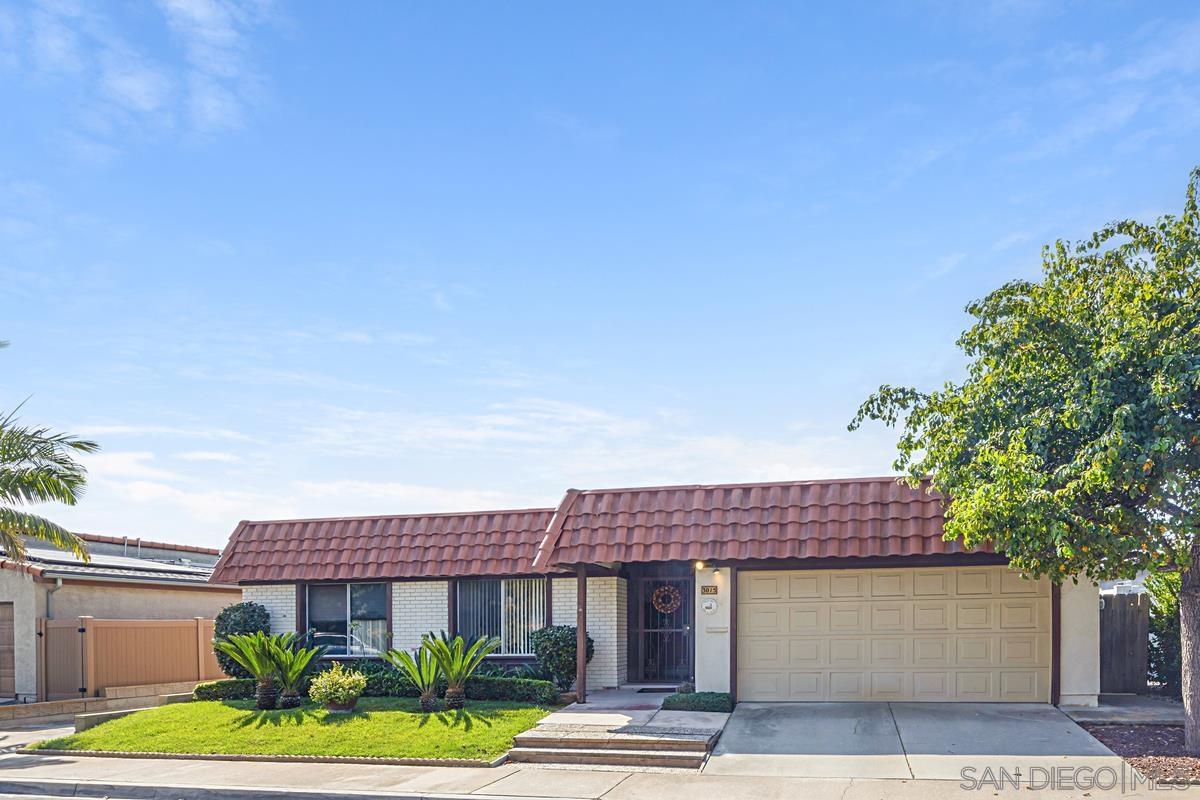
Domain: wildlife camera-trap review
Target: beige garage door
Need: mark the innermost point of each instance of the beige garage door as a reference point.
(939, 634)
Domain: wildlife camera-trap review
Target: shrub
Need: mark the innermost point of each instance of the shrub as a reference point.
(685, 688)
(337, 686)
(227, 689)
(1165, 648)
(554, 647)
(698, 701)
(520, 690)
(238, 618)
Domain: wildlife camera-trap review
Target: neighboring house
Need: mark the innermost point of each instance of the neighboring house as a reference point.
(813, 590)
(125, 579)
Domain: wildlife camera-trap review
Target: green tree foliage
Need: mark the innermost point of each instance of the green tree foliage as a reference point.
(1073, 442)
(1165, 666)
(38, 466)
(238, 618)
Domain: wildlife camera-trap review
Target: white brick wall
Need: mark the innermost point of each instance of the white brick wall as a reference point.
(418, 607)
(279, 599)
(607, 624)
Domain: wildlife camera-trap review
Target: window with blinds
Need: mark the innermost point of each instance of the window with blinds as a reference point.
(509, 609)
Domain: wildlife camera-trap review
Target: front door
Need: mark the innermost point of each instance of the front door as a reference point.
(660, 627)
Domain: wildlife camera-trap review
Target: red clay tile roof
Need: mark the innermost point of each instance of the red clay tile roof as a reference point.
(372, 548)
(805, 519)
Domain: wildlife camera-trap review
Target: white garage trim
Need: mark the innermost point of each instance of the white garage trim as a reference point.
(977, 633)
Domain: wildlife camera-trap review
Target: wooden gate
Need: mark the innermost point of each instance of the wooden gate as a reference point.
(8, 660)
(1124, 639)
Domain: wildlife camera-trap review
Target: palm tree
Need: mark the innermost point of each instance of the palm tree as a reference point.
(292, 665)
(458, 662)
(422, 671)
(38, 466)
(254, 652)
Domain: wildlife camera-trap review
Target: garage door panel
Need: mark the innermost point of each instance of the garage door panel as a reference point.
(932, 616)
(843, 585)
(808, 586)
(929, 651)
(941, 634)
(847, 618)
(973, 581)
(1019, 614)
(977, 615)
(890, 583)
(807, 652)
(888, 653)
(806, 686)
(887, 617)
(808, 618)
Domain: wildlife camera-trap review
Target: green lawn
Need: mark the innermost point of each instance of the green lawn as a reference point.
(382, 727)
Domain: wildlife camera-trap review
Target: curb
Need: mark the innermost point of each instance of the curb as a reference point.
(135, 791)
(398, 762)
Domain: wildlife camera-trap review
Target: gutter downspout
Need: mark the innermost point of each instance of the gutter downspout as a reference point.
(50, 599)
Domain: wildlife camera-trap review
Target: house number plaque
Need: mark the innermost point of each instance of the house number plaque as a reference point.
(708, 590)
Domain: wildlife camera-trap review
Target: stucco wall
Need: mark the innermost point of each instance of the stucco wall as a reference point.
(1080, 644)
(713, 631)
(279, 599)
(26, 597)
(128, 602)
(418, 608)
(607, 624)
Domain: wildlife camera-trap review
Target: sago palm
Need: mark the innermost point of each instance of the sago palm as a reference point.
(38, 466)
(421, 669)
(292, 664)
(253, 651)
(458, 662)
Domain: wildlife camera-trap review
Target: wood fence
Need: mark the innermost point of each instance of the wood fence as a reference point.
(1124, 641)
(83, 656)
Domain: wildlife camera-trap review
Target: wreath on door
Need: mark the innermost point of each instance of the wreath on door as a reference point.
(666, 599)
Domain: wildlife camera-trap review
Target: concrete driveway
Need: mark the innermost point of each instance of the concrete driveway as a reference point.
(902, 740)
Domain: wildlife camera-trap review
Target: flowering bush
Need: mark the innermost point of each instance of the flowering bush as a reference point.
(337, 686)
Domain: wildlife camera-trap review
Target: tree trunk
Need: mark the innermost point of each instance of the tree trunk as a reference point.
(1189, 652)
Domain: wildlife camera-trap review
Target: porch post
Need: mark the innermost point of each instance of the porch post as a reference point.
(581, 633)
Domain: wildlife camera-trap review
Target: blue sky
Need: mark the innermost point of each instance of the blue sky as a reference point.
(306, 259)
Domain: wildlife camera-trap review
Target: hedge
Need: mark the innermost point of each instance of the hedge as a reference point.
(698, 701)
(521, 690)
(227, 689)
(383, 680)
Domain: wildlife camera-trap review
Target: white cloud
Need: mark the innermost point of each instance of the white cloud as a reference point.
(162, 430)
(384, 497)
(106, 466)
(214, 37)
(207, 455)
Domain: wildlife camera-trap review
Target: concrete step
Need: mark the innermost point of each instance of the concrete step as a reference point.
(613, 757)
(608, 740)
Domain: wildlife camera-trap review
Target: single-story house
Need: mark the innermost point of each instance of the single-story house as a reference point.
(797, 591)
(126, 578)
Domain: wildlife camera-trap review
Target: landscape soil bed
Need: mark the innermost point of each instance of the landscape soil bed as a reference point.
(1156, 751)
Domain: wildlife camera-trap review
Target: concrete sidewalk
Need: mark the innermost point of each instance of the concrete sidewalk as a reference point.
(152, 779)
